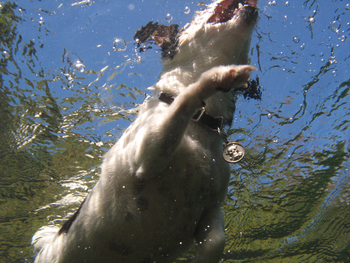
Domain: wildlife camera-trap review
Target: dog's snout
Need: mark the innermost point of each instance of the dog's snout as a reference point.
(250, 13)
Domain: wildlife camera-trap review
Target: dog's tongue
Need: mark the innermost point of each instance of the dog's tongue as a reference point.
(226, 9)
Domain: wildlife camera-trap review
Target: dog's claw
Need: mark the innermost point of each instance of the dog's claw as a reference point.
(236, 77)
(224, 78)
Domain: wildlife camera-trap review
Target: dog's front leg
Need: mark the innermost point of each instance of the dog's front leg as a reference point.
(162, 139)
(210, 236)
(222, 78)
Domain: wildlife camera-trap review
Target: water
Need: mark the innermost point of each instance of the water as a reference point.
(68, 90)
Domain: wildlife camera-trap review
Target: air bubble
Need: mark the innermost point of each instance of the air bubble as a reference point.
(302, 47)
(311, 19)
(5, 54)
(272, 3)
(343, 38)
(41, 21)
(332, 60)
(78, 65)
(119, 44)
(287, 3)
(296, 39)
(168, 17)
(187, 10)
(335, 26)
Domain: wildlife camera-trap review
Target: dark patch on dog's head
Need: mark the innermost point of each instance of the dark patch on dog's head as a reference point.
(162, 35)
(66, 226)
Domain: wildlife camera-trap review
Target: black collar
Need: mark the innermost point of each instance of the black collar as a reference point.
(214, 123)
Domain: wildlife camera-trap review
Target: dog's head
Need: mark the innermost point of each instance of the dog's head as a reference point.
(220, 32)
(218, 35)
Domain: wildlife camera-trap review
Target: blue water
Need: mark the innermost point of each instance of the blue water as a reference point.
(70, 77)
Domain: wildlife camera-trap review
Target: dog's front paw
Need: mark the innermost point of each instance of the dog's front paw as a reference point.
(224, 78)
(232, 77)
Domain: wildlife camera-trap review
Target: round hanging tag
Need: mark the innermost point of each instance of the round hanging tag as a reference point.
(233, 152)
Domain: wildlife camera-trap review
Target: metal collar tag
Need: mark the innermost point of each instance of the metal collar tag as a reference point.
(233, 152)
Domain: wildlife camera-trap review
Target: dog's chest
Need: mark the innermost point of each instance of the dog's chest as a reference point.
(195, 178)
(171, 204)
(194, 173)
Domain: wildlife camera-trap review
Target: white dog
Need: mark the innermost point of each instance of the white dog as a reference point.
(163, 182)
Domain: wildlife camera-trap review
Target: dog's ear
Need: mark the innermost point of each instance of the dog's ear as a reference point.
(162, 35)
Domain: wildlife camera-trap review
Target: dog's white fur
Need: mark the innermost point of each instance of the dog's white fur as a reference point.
(163, 182)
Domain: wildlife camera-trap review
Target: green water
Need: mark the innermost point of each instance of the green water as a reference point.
(289, 199)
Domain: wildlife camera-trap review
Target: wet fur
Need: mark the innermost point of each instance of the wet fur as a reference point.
(163, 182)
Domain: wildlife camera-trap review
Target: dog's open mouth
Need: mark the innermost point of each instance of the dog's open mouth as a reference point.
(226, 9)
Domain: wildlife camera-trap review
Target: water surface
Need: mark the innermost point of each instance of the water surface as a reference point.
(71, 77)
